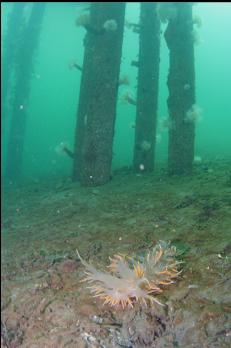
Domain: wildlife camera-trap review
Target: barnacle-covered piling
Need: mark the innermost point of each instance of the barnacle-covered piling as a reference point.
(147, 89)
(23, 73)
(98, 95)
(181, 85)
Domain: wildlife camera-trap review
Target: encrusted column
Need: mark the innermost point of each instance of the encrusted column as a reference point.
(181, 85)
(147, 91)
(99, 95)
(23, 73)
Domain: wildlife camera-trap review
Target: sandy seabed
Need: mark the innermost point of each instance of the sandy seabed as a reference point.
(45, 305)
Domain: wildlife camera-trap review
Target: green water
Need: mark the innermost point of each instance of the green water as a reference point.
(55, 89)
(45, 302)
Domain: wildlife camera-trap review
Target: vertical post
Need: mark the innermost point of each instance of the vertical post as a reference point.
(23, 71)
(84, 94)
(181, 85)
(11, 40)
(147, 92)
(98, 118)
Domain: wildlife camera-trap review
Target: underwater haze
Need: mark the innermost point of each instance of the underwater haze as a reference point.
(103, 244)
(54, 91)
